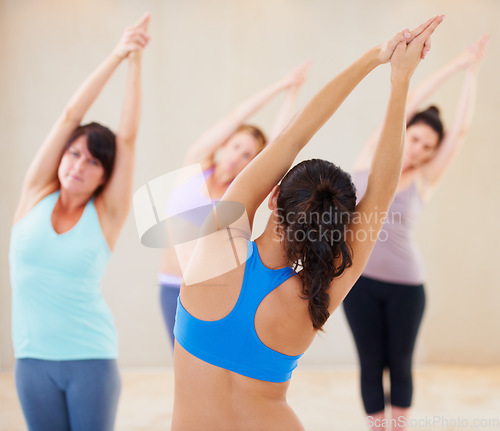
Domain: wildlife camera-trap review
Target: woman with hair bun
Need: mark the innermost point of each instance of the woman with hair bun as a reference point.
(249, 309)
(385, 307)
(74, 201)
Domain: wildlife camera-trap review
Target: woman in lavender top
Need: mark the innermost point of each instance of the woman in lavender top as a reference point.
(385, 307)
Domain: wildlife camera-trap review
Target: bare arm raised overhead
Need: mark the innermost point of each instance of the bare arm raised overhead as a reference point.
(297, 79)
(386, 166)
(116, 197)
(436, 167)
(204, 148)
(422, 92)
(42, 175)
(265, 171)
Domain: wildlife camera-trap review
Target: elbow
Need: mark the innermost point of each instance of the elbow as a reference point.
(69, 116)
(462, 134)
(125, 140)
(237, 116)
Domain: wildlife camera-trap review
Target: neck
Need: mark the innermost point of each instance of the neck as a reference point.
(271, 245)
(407, 169)
(221, 178)
(71, 202)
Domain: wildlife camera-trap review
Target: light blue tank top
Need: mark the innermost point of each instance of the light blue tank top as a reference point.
(58, 312)
(232, 342)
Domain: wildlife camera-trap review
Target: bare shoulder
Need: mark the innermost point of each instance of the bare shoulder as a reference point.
(293, 293)
(207, 164)
(282, 320)
(30, 198)
(111, 225)
(296, 305)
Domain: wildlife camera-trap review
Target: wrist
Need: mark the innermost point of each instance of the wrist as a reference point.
(117, 55)
(281, 85)
(472, 69)
(400, 81)
(460, 63)
(135, 56)
(373, 57)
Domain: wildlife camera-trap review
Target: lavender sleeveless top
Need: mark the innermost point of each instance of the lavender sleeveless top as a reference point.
(395, 257)
(188, 198)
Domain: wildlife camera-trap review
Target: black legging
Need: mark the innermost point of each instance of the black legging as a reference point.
(384, 319)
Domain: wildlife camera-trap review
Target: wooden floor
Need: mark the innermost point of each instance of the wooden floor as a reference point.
(445, 398)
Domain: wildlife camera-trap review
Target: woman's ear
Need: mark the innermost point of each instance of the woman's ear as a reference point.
(273, 198)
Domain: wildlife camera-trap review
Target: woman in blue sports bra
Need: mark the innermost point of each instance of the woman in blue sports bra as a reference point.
(74, 201)
(245, 316)
(222, 152)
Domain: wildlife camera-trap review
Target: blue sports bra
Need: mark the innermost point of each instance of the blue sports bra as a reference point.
(232, 342)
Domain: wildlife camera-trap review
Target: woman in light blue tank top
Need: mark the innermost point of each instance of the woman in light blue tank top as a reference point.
(74, 201)
(222, 152)
(385, 307)
(244, 317)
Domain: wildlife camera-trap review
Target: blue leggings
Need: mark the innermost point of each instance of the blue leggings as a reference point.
(384, 319)
(68, 395)
(168, 299)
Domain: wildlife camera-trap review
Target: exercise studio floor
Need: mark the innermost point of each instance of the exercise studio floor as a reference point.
(446, 398)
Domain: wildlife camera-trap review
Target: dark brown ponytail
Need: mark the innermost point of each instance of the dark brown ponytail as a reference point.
(315, 203)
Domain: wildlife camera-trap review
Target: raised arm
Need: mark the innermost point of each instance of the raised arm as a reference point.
(430, 85)
(116, 197)
(433, 171)
(204, 148)
(386, 167)
(255, 182)
(285, 113)
(415, 99)
(42, 172)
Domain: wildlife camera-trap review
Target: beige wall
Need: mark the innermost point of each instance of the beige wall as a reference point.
(205, 56)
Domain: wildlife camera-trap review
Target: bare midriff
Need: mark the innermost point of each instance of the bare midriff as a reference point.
(212, 398)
